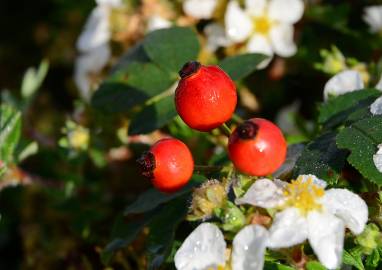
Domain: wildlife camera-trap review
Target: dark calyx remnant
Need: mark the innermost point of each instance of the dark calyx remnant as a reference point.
(247, 130)
(147, 164)
(189, 68)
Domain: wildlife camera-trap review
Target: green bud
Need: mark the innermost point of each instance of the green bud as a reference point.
(211, 195)
(370, 239)
(231, 216)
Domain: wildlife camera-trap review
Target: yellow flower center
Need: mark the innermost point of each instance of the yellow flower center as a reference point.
(262, 25)
(79, 138)
(303, 195)
(220, 267)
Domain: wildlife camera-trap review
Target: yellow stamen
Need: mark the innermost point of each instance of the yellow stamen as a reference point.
(303, 195)
(262, 25)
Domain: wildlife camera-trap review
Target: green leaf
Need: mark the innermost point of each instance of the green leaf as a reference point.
(353, 258)
(133, 55)
(33, 79)
(171, 48)
(152, 198)
(124, 233)
(362, 139)
(27, 151)
(148, 77)
(349, 107)
(115, 95)
(10, 129)
(322, 158)
(373, 259)
(314, 265)
(240, 66)
(153, 116)
(162, 231)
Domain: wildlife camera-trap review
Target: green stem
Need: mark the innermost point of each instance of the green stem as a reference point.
(225, 129)
(237, 119)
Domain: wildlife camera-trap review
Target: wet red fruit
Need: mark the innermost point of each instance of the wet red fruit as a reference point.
(205, 97)
(257, 147)
(168, 163)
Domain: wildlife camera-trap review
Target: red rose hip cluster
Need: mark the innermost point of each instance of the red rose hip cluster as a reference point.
(205, 99)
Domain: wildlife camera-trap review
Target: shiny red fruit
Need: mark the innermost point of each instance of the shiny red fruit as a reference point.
(257, 147)
(205, 97)
(168, 164)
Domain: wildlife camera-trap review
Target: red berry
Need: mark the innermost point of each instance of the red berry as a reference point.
(205, 97)
(257, 147)
(168, 163)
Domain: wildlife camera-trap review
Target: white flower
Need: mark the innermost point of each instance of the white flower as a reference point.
(93, 44)
(200, 9)
(205, 248)
(87, 64)
(376, 106)
(373, 17)
(344, 82)
(377, 158)
(216, 37)
(310, 212)
(156, 22)
(266, 25)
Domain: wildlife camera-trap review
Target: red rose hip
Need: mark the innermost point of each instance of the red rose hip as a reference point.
(257, 147)
(205, 97)
(168, 164)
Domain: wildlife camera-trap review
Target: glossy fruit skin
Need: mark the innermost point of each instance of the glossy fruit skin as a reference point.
(205, 97)
(168, 164)
(257, 147)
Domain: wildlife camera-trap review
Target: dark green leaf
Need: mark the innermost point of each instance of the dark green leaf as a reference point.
(322, 158)
(362, 139)
(10, 128)
(240, 66)
(133, 55)
(373, 259)
(349, 107)
(171, 48)
(148, 77)
(124, 233)
(152, 198)
(353, 257)
(153, 116)
(162, 231)
(115, 95)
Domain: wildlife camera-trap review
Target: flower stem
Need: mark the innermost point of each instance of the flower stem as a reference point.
(225, 129)
(207, 168)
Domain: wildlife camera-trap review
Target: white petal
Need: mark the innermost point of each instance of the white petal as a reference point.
(377, 158)
(200, 9)
(348, 206)
(288, 11)
(326, 237)
(379, 84)
(157, 22)
(314, 179)
(282, 40)
(256, 7)
(203, 248)
(96, 30)
(260, 44)
(111, 3)
(216, 37)
(376, 107)
(289, 228)
(263, 193)
(86, 64)
(343, 82)
(238, 24)
(249, 248)
(373, 17)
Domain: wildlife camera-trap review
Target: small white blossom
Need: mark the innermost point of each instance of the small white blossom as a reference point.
(310, 212)
(266, 25)
(93, 44)
(200, 9)
(205, 248)
(157, 22)
(373, 17)
(377, 158)
(216, 37)
(376, 107)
